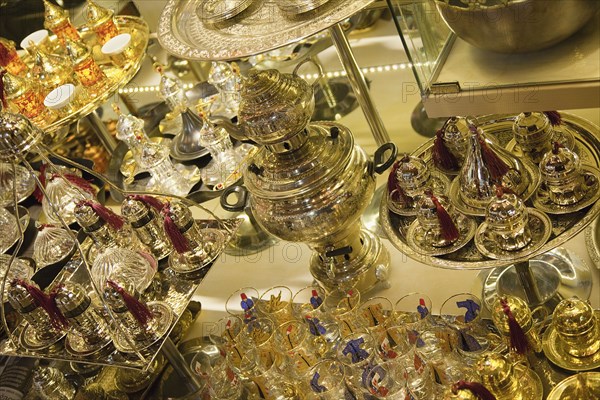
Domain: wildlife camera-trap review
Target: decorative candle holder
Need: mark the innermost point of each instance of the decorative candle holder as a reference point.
(9, 59)
(101, 21)
(57, 20)
(88, 72)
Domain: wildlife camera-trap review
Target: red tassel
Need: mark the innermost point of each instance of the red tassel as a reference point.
(180, 242)
(2, 94)
(494, 164)
(4, 55)
(106, 215)
(480, 391)
(442, 157)
(448, 227)
(518, 339)
(554, 117)
(138, 310)
(41, 299)
(395, 190)
(79, 182)
(37, 193)
(149, 200)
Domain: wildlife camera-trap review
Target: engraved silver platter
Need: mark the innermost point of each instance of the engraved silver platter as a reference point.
(182, 33)
(564, 227)
(592, 241)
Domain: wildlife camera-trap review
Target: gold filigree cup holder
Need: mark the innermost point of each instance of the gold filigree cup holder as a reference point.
(166, 289)
(117, 76)
(564, 227)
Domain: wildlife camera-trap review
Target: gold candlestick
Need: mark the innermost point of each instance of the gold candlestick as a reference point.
(9, 59)
(101, 21)
(27, 99)
(57, 20)
(88, 72)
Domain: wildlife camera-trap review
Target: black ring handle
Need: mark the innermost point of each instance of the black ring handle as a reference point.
(242, 198)
(339, 252)
(381, 164)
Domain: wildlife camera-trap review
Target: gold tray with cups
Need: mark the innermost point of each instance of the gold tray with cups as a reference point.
(83, 102)
(564, 226)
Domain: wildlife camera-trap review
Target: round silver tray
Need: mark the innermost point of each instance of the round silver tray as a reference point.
(564, 227)
(182, 33)
(592, 241)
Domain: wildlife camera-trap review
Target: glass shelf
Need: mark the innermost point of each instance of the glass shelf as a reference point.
(167, 288)
(456, 78)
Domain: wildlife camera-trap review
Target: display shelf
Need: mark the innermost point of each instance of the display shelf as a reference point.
(564, 227)
(166, 287)
(464, 80)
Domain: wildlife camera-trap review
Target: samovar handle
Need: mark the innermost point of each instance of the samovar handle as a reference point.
(380, 162)
(241, 196)
(317, 81)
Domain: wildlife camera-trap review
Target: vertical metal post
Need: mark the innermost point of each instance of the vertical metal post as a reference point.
(527, 279)
(109, 142)
(180, 366)
(359, 84)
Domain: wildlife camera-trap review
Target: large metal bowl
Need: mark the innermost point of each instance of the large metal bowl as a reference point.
(520, 25)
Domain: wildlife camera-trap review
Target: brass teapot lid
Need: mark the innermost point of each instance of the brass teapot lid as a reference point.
(505, 209)
(17, 136)
(328, 150)
(559, 163)
(519, 309)
(573, 317)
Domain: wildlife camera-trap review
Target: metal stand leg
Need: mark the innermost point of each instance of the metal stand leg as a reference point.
(359, 84)
(180, 366)
(525, 275)
(109, 142)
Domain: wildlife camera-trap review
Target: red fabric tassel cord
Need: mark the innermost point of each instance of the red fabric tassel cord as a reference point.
(4, 55)
(41, 299)
(112, 219)
(2, 94)
(79, 182)
(493, 162)
(518, 339)
(554, 117)
(480, 391)
(149, 200)
(442, 157)
(138, 310)
(395, 190)
(180, 242)
(449, 230)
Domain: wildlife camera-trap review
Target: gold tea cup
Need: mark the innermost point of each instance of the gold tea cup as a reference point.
(577, 327)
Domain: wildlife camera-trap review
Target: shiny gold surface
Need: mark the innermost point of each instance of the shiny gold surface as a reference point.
(585, 385)
(556, 351)
(116, 77)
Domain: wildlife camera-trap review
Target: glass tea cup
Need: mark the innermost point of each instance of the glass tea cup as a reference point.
(414, 311)
(325, 381)
(276, 304)
(375, 314)
(242, 304)
(295, 342)
(343, 306)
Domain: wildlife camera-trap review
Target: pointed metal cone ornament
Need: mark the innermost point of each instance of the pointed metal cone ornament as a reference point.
(476, 186)
(14, 86)
(51, 70)
(97, 15)
(54, 15)
(77, 51)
